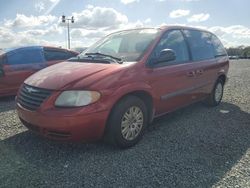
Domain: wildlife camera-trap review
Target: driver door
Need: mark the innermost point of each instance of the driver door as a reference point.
(172, 81)
(17, 67)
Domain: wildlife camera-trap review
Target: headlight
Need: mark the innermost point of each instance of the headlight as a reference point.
(77, 98)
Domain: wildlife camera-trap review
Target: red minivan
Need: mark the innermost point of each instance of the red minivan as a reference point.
(115, 88)
(17, 64)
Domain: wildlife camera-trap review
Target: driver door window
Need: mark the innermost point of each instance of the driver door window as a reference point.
(25, 57)
(3, 61)
(175, 41)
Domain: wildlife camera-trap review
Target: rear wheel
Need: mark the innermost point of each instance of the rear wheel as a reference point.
(214, 99)
(127, 122)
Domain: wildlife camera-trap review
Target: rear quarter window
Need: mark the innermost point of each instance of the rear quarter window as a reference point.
(219, 49)
(200, 44)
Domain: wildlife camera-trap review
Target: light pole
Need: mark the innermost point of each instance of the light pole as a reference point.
(68, 20)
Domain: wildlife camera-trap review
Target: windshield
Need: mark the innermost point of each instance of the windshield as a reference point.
(126, 45)
(2, 52)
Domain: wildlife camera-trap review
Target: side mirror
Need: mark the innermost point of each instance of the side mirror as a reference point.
(166, 55)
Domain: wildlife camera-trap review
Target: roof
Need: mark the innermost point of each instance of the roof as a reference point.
(15, 49)
(166, 27)
(23, 47)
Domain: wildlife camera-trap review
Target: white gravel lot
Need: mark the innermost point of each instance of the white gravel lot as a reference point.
(193, 147)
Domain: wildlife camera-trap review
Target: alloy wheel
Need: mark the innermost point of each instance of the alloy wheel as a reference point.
(132, 123)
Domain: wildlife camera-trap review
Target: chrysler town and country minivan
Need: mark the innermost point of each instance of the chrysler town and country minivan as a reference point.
(115, 88)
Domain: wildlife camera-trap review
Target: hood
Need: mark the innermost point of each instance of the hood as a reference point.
(59, 76)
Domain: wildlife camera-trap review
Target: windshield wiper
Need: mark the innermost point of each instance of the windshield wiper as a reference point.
(118, 60)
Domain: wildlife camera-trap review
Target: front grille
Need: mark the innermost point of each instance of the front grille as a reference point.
(31, 97)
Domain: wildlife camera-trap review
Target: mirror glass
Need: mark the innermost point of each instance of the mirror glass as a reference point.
(166, 55)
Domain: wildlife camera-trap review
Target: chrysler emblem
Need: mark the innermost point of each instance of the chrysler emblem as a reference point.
(31, 90)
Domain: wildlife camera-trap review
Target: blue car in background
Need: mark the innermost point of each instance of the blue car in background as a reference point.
(16, 64)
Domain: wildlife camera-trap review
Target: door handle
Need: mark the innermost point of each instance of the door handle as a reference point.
(199, 72)
(191, 74)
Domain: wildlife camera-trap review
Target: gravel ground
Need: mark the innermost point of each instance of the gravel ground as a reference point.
(192, 147)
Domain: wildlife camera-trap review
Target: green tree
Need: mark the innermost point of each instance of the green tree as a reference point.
(246, 52)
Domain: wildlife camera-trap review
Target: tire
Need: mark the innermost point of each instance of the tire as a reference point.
(215, 97)
(127, 122)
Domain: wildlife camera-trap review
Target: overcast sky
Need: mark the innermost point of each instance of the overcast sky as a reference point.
(28, 22)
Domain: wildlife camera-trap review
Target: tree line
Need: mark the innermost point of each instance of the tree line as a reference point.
(241, 51)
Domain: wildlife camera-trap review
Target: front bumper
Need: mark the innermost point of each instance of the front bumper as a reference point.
(60, 126)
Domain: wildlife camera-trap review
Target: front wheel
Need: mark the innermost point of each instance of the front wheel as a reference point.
(215, 97)
(127, 122)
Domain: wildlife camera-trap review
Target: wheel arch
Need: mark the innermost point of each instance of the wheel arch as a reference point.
(146, 98)
(144, 95)
(222, 77)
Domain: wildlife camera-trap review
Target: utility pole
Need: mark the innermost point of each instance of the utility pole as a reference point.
(68, 20)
